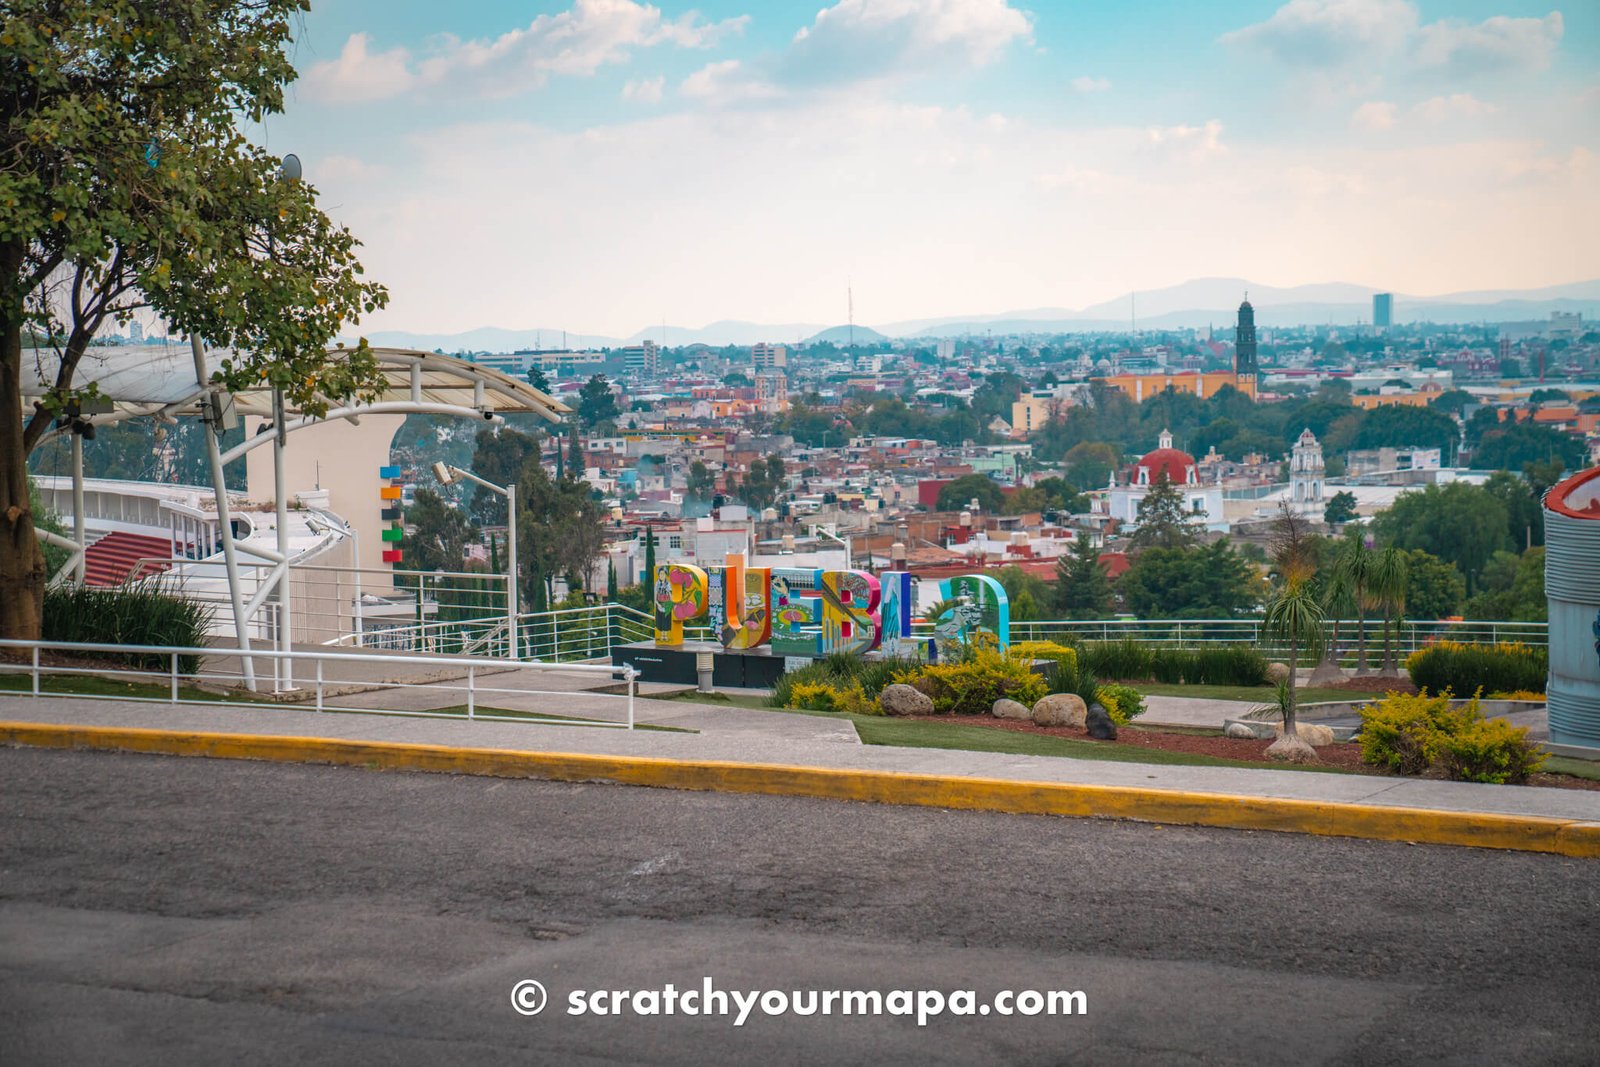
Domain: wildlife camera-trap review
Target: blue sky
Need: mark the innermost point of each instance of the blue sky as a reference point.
(599, 165)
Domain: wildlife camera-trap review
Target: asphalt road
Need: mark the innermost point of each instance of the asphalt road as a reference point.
(162, 910)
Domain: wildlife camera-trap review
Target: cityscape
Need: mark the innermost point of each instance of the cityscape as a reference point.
(865, 531)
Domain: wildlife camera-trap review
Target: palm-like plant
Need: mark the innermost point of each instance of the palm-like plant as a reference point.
(1294, 616)
(1388, 589)
(1352, 577)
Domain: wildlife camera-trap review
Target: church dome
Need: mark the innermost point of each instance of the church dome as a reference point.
(1178, 465)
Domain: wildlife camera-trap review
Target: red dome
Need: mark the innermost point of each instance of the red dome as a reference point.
(1177, 465)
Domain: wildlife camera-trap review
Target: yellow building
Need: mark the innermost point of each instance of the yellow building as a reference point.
(1368, 401)
(1138, 386)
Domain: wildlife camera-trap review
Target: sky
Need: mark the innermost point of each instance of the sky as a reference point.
(604, 165)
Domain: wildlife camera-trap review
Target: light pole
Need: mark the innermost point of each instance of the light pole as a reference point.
(448, 474)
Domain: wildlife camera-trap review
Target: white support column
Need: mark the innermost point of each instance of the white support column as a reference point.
(280, 493)
(219, 486)
(79, 520)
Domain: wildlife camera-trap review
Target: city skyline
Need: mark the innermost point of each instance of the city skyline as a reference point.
(605, 164)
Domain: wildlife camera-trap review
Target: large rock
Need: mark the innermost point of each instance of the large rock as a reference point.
(1098, 721)
(1010, 709)
(900, 699)
(1291, 750)
(1239, 730)
(1277, 672)
(1060, 709)
(1314, 734)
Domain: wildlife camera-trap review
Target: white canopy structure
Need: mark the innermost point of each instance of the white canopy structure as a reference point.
(168, 382)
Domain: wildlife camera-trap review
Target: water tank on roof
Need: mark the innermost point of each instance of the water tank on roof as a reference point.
(1572, 585)
(1019, 537)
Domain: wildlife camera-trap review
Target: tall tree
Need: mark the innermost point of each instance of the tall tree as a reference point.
(1163, 521)
(1082, 589)
(1462, 523)
(1389, 575)
(125, 182)
(1340, 509)
(560, 531)
(597, 403)
(537, 379)
(1348, 589)
(499, 456)
(1212, 582)
(957, 495)
(438, 534)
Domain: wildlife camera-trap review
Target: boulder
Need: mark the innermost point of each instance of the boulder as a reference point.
(1291, 750)
(1314, 734)
(1239, 730)
(1010, 709)
(905, 700)
(1277, 672)
(1098, 721)
(1060, 709)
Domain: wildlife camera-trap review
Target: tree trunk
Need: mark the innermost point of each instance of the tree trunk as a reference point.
(22, 572)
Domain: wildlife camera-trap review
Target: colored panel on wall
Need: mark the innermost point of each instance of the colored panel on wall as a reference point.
(388, 472)
(389, 514)
(391, 555)
(393, 533)
(389, 492)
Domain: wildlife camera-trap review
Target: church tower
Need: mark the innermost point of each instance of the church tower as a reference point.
(1306, 475)
(1244, 349)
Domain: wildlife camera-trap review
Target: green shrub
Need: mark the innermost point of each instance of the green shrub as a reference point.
(1489, 750)
(1410, 734)
(812, 696)
(1122, 702)
(1464, 668)
(971, 687)
(1065, 660)
(840, 672)
(1122, 658)
(1220, 664)
(126, 615)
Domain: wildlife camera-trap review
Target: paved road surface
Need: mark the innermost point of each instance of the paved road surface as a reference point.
(161, 910)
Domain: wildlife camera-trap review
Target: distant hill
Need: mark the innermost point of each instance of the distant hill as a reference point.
(1197, 303)
(841, 335)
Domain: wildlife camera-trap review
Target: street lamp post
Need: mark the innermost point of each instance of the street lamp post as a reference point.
(448, 474)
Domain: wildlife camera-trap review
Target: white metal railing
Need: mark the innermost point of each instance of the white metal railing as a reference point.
(559, 636)
(1409, 636)
(173, 667)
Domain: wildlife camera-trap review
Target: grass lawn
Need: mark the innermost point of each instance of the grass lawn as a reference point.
(1578, 768)
(904, 733)
(1258, 694)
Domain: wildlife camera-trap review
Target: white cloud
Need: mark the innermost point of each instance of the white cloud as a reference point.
(1084, 83)
(573, 43)
(858, 39)
(1191, 142)
(727, 81)
(1498, 43)
(1375, 115)
(359, 74)
(1330, 32)
(645, 90)
(1456, 105)
(900, 193)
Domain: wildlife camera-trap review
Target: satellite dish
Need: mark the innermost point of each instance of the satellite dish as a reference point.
(289, 169)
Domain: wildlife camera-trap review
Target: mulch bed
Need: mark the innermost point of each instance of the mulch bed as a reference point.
(1346, 757)
(1371, 683)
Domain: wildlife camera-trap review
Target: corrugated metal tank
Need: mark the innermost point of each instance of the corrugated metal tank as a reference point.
(1572, 584)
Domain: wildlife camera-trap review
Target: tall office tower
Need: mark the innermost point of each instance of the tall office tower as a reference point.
(1244, 345)
(1383, 310)
(769, 357)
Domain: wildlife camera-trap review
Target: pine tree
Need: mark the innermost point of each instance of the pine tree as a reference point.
(1163, 522)
(649, 557)
(575, 452)
(611, 581)
(1082, 589)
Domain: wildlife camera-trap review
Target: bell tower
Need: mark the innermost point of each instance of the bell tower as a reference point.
(1244, 348)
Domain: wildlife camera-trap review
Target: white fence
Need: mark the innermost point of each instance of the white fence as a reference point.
(169, 674)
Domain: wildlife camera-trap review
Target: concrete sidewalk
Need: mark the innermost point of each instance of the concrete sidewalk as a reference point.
(782, 740)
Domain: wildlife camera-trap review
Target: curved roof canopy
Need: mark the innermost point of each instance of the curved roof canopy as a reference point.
(159, 380)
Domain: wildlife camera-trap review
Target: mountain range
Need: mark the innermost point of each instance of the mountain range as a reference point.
(1198, 303)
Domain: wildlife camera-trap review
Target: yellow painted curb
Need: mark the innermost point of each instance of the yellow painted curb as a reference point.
(1527, 833)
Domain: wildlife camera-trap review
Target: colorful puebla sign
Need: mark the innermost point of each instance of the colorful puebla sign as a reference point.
(804, 612)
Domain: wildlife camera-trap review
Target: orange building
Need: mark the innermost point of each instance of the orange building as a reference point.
(1368, 401)
(1138, 386)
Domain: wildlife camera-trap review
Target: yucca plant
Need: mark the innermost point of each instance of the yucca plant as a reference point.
(1388, 585)
(1293, 616)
